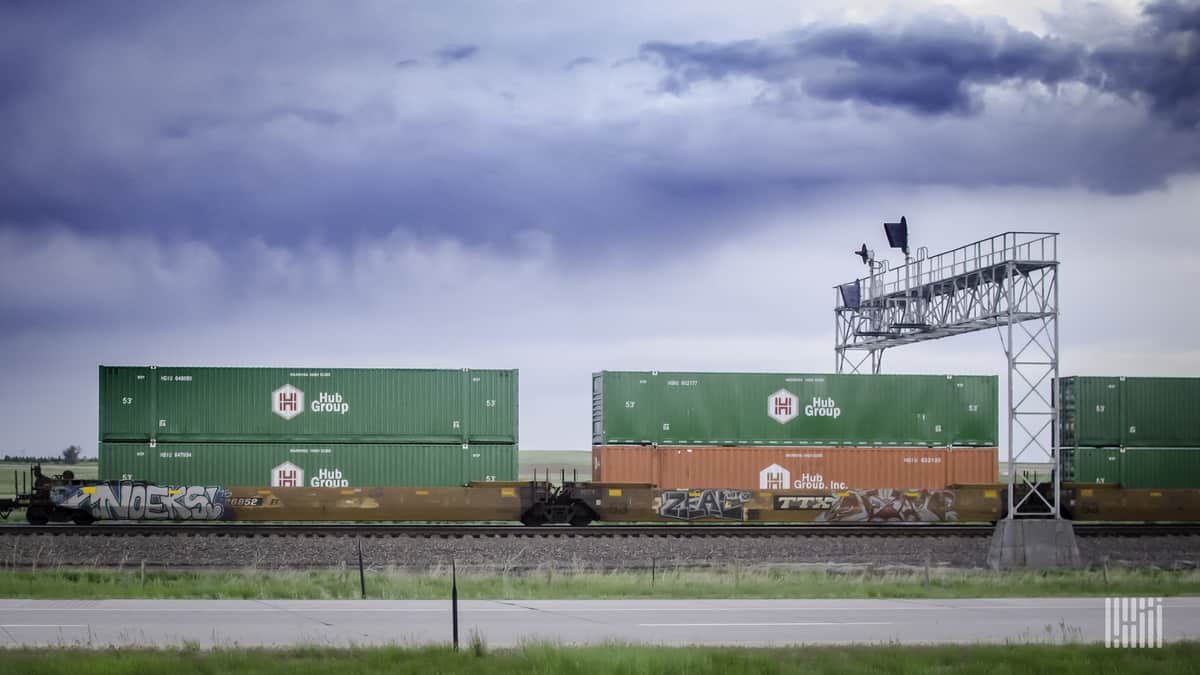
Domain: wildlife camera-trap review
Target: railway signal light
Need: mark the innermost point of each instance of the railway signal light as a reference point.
(851, 295)
(897, 234)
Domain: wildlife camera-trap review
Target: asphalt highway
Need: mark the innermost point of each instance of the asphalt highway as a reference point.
(210, 623)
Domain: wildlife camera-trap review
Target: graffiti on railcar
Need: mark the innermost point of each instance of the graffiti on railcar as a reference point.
(917, 506)
(697, 504)
(133, 501)
(803, 502)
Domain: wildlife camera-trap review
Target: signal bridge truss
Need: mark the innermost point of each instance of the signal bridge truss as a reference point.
(1008, 282)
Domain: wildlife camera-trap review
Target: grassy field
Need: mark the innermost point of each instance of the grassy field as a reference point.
(625, 659)
(734, 582)
(9, 469)
(577, 461)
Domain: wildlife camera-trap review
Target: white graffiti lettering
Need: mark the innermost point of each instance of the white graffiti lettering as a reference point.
(129, 501)
(696, 504)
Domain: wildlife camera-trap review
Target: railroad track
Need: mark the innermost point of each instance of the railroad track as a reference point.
(250, 530)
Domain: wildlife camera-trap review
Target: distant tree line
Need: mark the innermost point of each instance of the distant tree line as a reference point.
(69, 456)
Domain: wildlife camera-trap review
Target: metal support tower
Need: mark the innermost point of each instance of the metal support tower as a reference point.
(1008, 282)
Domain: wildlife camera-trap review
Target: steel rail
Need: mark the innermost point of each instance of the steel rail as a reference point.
(309, 530)
(489, 531)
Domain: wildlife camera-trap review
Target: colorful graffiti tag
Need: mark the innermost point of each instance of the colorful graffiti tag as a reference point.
(697, 504)
(887, 506)
(133, 501)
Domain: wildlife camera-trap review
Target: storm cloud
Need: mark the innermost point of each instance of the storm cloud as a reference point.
(677, 186)
(934, 64)
(927, 67)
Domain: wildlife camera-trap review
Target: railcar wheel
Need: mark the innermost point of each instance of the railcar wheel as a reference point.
(534, 516)
(82, 518)
(37, 515)
(581, 516)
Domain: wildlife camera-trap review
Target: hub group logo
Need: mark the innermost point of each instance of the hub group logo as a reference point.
(287, 475)
(288, 402)
(774, 477)
(783, 406)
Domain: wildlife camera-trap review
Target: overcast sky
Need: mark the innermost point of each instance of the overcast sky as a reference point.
(565, 187)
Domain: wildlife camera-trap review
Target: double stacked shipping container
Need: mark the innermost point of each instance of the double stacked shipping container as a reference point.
(1140, 432)
(307, 427)
(794, 431)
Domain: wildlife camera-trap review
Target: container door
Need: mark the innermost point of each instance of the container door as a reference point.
(489, 463)
(629, 409)
(126, 404)
(491, 406)
(1098, 411)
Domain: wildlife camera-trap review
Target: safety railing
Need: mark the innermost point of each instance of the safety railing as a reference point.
(1019, 247)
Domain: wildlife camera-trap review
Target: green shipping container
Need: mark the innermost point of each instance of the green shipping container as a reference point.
(1139, 468)
(1092, 465)
(300, 405)
(794, 409)
(276, 464)
(1148, 412)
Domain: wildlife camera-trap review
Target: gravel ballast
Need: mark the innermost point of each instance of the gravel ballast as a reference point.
(503, 552)
(585, 552)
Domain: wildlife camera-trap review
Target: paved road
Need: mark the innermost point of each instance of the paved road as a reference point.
(502, 623)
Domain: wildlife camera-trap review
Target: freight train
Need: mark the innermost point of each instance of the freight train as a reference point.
(63, 498)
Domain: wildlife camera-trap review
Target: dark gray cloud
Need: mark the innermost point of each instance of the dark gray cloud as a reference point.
(1161, 63)
(455, 53)
(926, 68)
(931, 65)
(579, 61)
(302, 125)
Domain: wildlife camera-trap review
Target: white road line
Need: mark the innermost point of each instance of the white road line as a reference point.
(786, 623)
(43, 625)
(555, 610)
(280, 610)
(705, 608)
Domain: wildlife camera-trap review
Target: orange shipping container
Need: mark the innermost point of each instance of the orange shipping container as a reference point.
(794, 468)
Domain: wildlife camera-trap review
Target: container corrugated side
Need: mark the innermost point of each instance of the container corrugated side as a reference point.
(624, 464)
(1137, 468)
(1161, 412)
(335, 465)
(1093, 465)
(1165, 468)
(677, 408)
(1129, 412)
(290, 405)
(800, 467)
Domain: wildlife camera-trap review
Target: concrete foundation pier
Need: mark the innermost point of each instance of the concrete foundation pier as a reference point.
(1034, 544)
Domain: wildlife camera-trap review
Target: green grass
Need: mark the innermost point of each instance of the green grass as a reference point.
(86, 469)
(576, 463)
(613, 658)
(734, 582)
